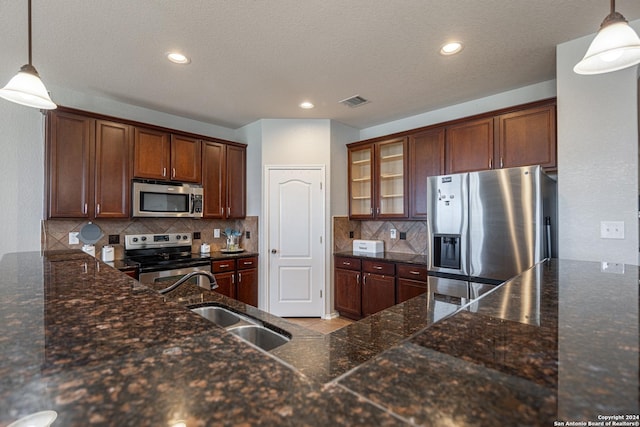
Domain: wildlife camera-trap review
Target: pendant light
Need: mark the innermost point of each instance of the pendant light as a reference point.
(26, 88)
(615, 47)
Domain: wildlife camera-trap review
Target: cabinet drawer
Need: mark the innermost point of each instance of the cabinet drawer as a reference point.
(347, 263)
(377, 267)
(413, 272)
(225, 265)
(245, 263)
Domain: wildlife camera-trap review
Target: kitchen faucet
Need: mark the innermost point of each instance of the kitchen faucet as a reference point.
(186, 277)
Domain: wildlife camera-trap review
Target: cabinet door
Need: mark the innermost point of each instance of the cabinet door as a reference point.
(236, 173)
(426, 158)
(112, 170)
(361, 172)
(348, 293)
(528, 138)
(226, 284)
(407, 289)
(391, 180)
(247, 286)
(213, 179)
(69, 163)
(469, 146)
(378, 293)
(185, 159)
(151, 154)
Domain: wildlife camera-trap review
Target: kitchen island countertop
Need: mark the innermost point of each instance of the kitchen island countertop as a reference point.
(557, 343)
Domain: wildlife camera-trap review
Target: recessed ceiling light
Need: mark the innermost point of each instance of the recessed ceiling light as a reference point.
(451, 48)
(306, 105)
(177, 58)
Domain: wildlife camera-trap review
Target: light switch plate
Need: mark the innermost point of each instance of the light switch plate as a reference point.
(612, 229)
(393, 233)
(216, 233)
(73, 238)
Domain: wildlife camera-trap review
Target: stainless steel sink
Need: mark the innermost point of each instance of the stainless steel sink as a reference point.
(245, 327)
(260, 336)
(218, 315)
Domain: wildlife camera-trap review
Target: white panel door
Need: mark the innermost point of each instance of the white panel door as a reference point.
(295, 238)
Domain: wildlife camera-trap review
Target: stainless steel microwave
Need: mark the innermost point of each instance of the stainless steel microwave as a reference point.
(163, 199)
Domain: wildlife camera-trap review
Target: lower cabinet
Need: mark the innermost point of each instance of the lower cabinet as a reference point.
(348, 288)
(378, 286)
(363, 287)
(238, 279)
(411, 281)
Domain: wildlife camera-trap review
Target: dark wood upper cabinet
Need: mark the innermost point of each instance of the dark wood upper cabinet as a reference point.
(528, 137)
(112, 170)
(426, 158)
(163, 156)
(236, 181)
(378, 183)
(213, 179)
(185, 159)
(224, 180)
(91, 158)
(88, 167)
(151, 154)
(469, 146)
(69, 148)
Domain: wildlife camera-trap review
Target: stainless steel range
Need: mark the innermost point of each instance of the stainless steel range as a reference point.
(164, 258)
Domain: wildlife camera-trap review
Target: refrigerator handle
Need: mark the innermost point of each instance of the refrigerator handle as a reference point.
(547, 226)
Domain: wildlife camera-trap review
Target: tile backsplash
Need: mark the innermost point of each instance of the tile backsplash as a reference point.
(415, 242)
(55, 232)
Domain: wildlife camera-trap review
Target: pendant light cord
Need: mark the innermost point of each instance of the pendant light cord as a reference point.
(29, 14)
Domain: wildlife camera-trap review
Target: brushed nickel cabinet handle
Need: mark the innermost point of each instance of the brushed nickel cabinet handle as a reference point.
(377, 267)
(164, 171)
(415, 272)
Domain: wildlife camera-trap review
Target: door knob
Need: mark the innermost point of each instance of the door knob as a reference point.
(273, 251)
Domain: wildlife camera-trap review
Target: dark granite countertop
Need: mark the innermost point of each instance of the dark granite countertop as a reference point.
(388, 256)
(123, 264)
(557, 343)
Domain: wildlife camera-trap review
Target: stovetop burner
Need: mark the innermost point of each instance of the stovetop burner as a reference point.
(154, 252)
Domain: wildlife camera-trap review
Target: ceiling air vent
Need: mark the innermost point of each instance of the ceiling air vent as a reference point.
(354, 101)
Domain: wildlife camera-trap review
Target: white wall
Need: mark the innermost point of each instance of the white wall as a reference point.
(597, 158)
(341, 135)
(251, 135)
(22, 183)
(518, 96)
(109, 107)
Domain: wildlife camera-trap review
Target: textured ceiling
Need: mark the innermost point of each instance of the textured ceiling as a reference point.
(255, 59)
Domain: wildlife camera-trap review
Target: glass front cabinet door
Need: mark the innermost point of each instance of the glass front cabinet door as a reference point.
(361, 182)
(377, 180)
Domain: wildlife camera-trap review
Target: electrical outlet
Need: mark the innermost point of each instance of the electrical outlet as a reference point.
(612, 267)
(73, 238)
(247, 234)
(216, 233)
(612, 229)
(351, 234)
(114, 239)
(196, 235)
(403, 235)
(393, 233)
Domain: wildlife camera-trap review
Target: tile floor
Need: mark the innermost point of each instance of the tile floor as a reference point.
(320, 325)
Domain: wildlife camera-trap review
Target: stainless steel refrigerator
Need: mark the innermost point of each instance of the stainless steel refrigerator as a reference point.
(487, 227)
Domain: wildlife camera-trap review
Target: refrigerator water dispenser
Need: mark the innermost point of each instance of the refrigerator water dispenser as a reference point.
(446, 251)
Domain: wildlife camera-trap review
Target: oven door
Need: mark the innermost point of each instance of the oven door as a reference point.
(170, 276)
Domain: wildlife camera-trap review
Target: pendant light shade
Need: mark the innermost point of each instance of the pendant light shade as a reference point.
(26, 88)
(615, 47)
